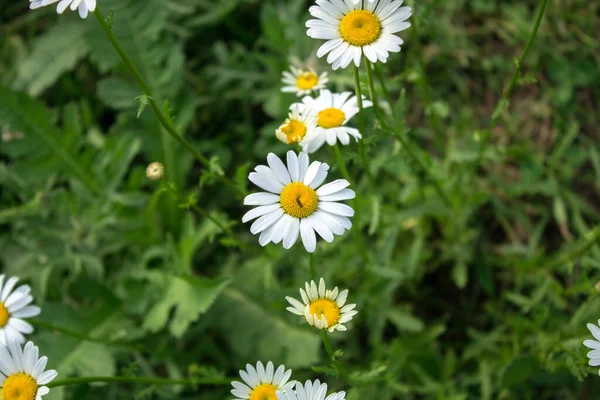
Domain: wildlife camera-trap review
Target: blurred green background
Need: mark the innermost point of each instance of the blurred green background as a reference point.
(487, 299)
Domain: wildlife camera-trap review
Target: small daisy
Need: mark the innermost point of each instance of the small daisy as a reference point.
(310, 391)
(303, 81)
(352, 30)
(14, 306)
(594, 345)
(333, 112)
(22, 375)
(262, 383)
(322, 308)
(297, 126)
(297, 204)
(84, 6)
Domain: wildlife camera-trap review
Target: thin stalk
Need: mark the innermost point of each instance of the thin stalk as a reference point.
(503, 102)
(133, 379)
(381, 79)
(361, 127)
(81, 336)
(311, 266)
(340, 162)
(166, 123)
(372, 93)
(329, 349)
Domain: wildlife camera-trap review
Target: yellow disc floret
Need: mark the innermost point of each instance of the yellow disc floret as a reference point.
(307, 80)
(331, 118)
(360, 27)
(293, 130)
(265, 391)
(298, 200)
(19, 387)
(327, 308)
(4, 315)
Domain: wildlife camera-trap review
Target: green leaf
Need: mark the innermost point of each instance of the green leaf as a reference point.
(405, 321)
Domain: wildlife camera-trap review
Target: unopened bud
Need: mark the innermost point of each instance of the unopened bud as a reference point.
(155, 171)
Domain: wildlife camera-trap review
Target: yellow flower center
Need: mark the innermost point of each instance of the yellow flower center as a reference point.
(298, 200)
(265, 391)
(331, 118)
(294, 131)
(327, 308)
(360, 27)
(19, 387)
(4, 315)
(307, 80)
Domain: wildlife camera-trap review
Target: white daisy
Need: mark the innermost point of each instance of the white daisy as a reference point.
(352, 30)
(594, 345)
(84, 6)
(310, 391)
(303, 81)
(322, 308)
(301, 123)
(22, 375)
(14, 306)
(333, 111)
(262, 383)
(296, 203)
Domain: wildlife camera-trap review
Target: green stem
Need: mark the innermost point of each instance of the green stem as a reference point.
(340, 162)
(329, 349)
(370, 81)
(311, 266)
(81, 336)
(361, 127)
(381, 79)
(133, 379)
(164, 121)
(504, 100)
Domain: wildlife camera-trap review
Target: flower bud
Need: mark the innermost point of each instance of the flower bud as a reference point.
(155, 171)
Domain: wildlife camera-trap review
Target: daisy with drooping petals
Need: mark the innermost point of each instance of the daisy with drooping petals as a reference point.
(22, 375)
(352, 30)
(262, 383)
(303, 81)
(310, 391)
(333, 112)
(594, 345)
(322, 308)
(14, 306)
(296, 203)
(83, 6)
(301, 123)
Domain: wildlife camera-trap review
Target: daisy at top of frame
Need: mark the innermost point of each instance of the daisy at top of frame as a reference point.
(83, 6)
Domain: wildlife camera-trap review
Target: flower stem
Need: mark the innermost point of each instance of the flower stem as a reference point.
(311, 266)
(329, 349)
(361, 127)
(133, 379)
(381, 80)
(164, 121)
(340, 162)
(505, 97)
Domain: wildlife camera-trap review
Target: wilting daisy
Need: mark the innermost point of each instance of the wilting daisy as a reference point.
(322, 308)
(84, 6)
(14, 306)
(22, 375)
(310, 391)
(301, 123)
(351, 29)
(296, 203)
(594, 345)
(333, 111)
(262, 383)
(303, 81)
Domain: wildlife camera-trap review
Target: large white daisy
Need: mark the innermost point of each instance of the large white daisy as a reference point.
(303, 81)
(594, 345)
(301, 123)
(333, 111)
(262, 383)
(296, 203)
(352, 29)
(14, 306)
(310, 391)
(83, 6)
(323, 308)
(22, 375)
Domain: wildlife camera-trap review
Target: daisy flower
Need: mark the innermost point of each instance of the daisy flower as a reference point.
(84, 6)
(352, 29)
(333, 112)
(295, 202)
(262, 383)
(310, 391)
(22, 375)
(301, 122)
(303, 81)
(594, 345)
(322, 308)
(14, 306)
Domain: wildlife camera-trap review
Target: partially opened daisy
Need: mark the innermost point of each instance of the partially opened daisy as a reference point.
(295, 202)
(301, 123)
(323, 308)
(262, 383)
(303, 81)
(310, 391)
(83, 6)
(352, 30)
(22, 375)
(14, 306)
(333, 111)
(594, 345)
